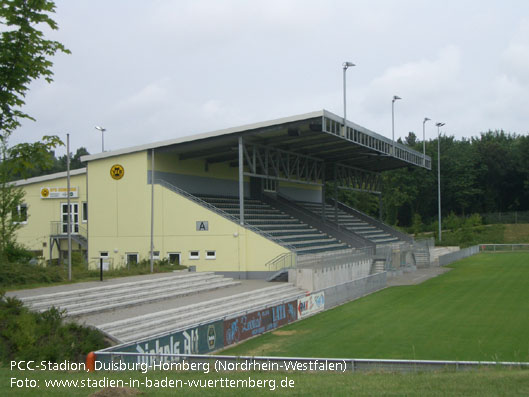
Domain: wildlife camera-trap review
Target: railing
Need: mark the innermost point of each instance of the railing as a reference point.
(457, 255)
(282, 261)
(503, 247)
(57, 230)
(277, 364)
(331, 228)
(222, 213)
(335, 258)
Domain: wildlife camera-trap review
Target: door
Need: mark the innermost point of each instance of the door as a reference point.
(74, 217)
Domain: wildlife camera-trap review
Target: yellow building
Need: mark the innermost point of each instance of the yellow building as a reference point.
(45, 205)
(234, 201)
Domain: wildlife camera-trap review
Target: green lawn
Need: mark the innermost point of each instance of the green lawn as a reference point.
(492, 382)
(477, 311)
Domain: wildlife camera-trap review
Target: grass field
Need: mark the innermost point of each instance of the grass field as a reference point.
(477, 311)
(481, 383)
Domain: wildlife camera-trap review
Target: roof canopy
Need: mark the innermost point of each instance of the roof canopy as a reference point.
(320, 135)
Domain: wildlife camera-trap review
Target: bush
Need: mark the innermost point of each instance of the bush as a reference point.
(27, 335)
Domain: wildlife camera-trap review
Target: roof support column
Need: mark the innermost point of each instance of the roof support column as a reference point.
(241, 183)
(323, 192)
(335, 193)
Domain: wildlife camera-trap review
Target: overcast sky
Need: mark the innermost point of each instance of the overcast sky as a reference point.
(156, 70)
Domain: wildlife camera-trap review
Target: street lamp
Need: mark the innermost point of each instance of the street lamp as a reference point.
(439, 125)
(345, 66)
(424, 142)
(395, 98)
(102, 136)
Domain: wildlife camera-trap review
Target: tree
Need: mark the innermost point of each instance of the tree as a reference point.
(21, 159)
(24, 55)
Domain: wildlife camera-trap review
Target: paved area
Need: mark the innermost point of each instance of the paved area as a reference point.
(119, 314)
(417, 276)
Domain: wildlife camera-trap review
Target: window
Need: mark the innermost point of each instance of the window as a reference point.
(174, 258)
(194, 255)
(132, 258)
(85, 212)
(20, 214)
(211, 255)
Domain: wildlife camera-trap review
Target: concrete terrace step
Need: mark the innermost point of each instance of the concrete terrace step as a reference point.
(103, 288)
(169, 320)
(122, 294)
(129, 294)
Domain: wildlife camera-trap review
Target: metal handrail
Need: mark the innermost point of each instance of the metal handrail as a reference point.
(331, 228)
(222, 213)
(56, 229)
(284, 258)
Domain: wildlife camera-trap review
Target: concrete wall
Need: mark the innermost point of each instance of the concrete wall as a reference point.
(345, 292)
(315, 279)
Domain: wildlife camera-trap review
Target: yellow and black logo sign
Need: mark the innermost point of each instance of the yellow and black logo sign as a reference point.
(44, 192)
(117, 171)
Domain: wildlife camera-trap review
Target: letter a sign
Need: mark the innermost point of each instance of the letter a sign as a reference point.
(202, 226)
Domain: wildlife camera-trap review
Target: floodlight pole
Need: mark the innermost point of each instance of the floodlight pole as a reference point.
(345, 66)
(102, 136)
(395, 98)
(439, 125)
(424, 142)
(69, 207)
(152, 211)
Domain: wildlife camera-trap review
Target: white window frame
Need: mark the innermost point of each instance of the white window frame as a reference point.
(211, 257)
(19, 211)
(194, 257)
(84, 210)
(132, 253)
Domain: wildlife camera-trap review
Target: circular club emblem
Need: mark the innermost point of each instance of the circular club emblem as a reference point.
(44, 192)
(211, 337)
(117, 171)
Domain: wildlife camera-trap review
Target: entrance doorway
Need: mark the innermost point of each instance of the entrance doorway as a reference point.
(74, 217)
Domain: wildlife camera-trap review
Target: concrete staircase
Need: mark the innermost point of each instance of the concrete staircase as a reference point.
(280, 226)
(136, 328)
(352, 223)
(109, 297)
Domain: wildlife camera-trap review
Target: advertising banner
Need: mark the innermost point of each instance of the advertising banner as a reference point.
(202, 339)
(255, 323)
(311, 304)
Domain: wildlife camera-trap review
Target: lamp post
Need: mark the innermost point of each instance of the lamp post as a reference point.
(345, 66)
(395, 98)
(424, 142)
(439, 125)
(102, 136)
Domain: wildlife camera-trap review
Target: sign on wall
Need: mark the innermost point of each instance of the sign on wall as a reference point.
(311, 304)
(251, 324)
(202, 226)
(117, 171)
(58, 192)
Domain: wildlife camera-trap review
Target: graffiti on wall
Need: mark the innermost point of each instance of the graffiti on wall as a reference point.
(255, 323)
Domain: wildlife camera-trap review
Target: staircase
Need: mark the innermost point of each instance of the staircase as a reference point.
(281, 227)
(353, 223)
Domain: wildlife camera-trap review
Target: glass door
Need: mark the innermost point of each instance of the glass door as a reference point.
(74, 217)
